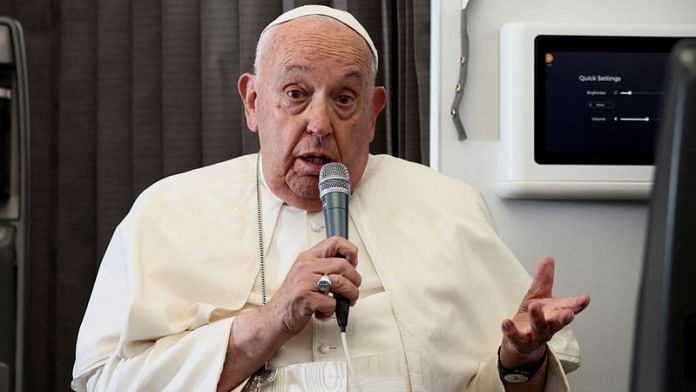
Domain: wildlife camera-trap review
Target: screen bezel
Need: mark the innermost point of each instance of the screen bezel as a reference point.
(575, 43)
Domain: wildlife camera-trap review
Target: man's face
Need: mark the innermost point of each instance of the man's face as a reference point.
(312, 102)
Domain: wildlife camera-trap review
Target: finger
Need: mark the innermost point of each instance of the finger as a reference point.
(541, 327)
(349, 272)
(344, 287)
(339, 267)
(582, 301)
(322, 315)
(334, 246)
(323, 305)
(559, 319)
(513, 335)
(574, 304)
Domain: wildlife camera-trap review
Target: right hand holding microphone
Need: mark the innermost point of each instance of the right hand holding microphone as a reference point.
(298, 298)
(257, 335)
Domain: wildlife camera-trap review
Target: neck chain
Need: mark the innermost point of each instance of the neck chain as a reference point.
(259, 221)
(265, 375)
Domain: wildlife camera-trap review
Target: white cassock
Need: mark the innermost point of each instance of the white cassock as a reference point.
(437, 282)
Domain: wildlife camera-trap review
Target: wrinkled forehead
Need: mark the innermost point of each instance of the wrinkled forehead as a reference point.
(339, 16)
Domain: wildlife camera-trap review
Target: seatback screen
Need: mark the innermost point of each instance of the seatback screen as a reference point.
(597, 99)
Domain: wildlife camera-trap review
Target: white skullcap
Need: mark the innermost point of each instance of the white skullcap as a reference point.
(341, 16)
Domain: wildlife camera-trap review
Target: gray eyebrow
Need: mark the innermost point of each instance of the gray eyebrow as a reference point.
(353, 74)
(296, 67)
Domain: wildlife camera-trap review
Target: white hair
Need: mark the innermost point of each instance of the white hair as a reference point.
(263, 41)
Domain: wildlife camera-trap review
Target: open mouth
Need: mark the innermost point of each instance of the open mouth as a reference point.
(316, 159)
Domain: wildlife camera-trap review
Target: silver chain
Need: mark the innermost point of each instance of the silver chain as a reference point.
(265, 375)
(259, 221)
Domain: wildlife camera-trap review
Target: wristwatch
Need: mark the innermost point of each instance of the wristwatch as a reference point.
(520, 375)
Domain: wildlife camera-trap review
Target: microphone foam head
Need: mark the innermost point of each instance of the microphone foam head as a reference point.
(334, 177)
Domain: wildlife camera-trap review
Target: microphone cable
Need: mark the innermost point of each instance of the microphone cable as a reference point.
(353, 377)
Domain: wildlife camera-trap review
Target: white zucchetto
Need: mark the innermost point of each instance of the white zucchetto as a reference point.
(341, 16)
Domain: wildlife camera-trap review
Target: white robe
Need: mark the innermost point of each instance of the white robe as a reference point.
(183, 261)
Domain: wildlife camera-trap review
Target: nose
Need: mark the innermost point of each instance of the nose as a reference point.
(319, 121)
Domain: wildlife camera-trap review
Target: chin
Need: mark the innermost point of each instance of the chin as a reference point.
(313, 206)
(305, 187)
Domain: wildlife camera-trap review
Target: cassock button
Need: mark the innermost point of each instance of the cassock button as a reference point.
(317, 227)
(325, 348)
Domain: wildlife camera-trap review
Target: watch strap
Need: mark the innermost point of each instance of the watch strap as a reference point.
(520, 375)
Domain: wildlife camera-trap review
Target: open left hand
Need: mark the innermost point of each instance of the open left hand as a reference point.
(539, 317)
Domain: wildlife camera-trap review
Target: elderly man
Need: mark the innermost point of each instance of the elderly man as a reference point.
(210, 281)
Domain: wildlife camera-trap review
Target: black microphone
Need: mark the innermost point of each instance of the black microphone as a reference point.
(334, 190)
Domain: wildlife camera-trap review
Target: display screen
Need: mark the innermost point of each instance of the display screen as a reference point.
(597, 99)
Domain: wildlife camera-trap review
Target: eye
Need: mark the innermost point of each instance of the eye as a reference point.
(294, 94)
(345, 99)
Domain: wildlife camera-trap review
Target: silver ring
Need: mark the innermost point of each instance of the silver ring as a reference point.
(324, 284)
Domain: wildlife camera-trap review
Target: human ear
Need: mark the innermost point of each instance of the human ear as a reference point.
(379, 100)
(247, 91)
